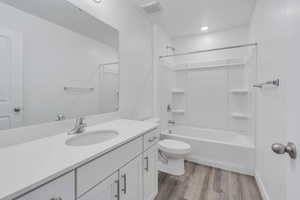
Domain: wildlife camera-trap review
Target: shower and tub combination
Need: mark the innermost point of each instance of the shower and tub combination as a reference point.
(216, 148)
(207, 100)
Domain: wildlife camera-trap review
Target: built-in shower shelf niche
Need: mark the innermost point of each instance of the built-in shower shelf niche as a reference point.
(178, 101)
(178, 111)
(177, 91)
(240, 116)
(239, 91)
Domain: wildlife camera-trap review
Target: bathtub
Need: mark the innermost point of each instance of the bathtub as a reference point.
(216, 148)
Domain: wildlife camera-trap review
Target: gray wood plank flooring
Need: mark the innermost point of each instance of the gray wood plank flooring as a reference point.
(206, 183)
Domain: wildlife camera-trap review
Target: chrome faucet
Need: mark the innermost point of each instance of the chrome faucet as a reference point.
(79, 127)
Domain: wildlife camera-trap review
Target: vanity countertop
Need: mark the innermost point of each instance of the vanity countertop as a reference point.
(26, 166)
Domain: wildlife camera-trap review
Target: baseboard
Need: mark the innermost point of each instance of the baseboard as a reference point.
(261, 187)
(219, 165)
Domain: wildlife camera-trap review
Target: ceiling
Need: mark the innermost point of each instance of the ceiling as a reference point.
(186, 17)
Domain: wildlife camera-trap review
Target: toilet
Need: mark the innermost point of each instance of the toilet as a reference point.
(171, 154)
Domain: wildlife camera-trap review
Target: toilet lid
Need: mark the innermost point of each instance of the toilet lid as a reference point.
(174, 146)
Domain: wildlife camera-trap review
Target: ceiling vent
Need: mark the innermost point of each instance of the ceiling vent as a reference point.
(151, 7)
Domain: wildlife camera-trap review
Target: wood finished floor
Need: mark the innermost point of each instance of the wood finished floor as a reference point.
(206, 183)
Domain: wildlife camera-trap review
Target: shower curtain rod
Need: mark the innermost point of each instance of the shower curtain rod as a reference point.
(209, 50)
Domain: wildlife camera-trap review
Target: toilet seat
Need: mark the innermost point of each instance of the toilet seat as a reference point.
(174, 147)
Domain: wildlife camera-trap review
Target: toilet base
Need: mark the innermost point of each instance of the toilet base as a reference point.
(172, 167)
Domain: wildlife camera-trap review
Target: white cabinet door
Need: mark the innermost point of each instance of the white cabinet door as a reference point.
(62, 188)
(150, 173)
(94, 172)
(106, 190)
(131, 180)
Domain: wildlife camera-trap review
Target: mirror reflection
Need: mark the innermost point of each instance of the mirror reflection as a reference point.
(56, 62)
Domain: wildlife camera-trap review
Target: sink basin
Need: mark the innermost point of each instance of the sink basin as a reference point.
(92, 137)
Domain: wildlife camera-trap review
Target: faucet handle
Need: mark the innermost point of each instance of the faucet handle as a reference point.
(82, 127)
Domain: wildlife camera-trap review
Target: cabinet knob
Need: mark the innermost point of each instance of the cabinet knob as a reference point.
(152, 139)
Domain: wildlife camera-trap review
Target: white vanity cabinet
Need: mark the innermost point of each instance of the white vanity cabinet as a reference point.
(131, 180)
(150, 173)
(137, 178)
(127, 172)
(106, 190)
(94, 172)
(125, 184)
(62, 188)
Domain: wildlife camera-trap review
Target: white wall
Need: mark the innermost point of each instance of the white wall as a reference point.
(54, 57)
(164, 78)
(268, 28)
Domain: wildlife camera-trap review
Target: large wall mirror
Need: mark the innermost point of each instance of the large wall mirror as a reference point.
(56, 62)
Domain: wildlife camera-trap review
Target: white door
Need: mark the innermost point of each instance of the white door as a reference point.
(293, 97)
(10, 79)
(279, 108)
(131, 180)
(150, 173)
(269, 27)
(106, 190)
